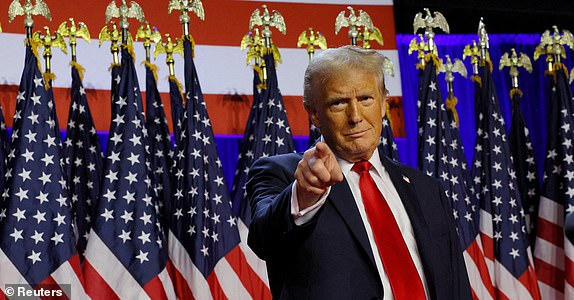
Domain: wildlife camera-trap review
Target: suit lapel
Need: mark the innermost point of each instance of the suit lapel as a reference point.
(404, 186)
(344, 202)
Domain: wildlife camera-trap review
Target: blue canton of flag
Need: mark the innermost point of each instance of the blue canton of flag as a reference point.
(524, 164)
(160, 144)
(126, 255)
(387, 143)
(37, 241)
(84, 159)
(554, 253)
(269, 134)
(440, 156)
(502, 222)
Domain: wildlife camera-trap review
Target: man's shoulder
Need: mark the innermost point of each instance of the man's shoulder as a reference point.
(415, 175)
(288, 160)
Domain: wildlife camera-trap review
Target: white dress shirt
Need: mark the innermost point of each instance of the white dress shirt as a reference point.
(385, 185)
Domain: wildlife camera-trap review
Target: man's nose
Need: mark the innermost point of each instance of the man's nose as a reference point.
(354, 112)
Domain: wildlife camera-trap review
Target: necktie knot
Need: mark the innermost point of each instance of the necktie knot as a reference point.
(361, 166)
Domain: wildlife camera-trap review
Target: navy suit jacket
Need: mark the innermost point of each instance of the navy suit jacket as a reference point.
(330, 256)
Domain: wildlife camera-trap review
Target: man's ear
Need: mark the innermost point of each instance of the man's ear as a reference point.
(314, 117)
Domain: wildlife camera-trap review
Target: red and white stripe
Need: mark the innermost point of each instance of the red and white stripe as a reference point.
(223, 73)
(68, 273)
(554, 254)
(231, 278)
(107, 278)
(506, 286)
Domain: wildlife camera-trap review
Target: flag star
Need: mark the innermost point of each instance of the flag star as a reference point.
(129, 197)
(62, 200)
(144, 237)
(25, 175)
(125, 236)
(40, 216)
(116, 138)
(178, 213)
(110, 195)
(50, 141)
(514, 236)
(142, 256)
(134, 158)
(132, 177)
(205, 251)
(135, 140)
(37, 237)
(146, 218)
(60, 219)
(114, 156)
(17, 235)
(112, 176)
(107, 214)
(35, 257)
(45, 178)
(515, 253)
(231, 221)
(34, 118)
(127, 216)
(42, 197)
(57, 238)
(48, 159)
(29, 155)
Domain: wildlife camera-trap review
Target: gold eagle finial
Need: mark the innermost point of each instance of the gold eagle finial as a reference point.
(311, 39)
(353, 21)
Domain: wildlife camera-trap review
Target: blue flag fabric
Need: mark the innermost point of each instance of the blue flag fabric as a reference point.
(84, 160)
(36, 231)
(387, 143)
(159, 146)
(267, 133)
(524, 164)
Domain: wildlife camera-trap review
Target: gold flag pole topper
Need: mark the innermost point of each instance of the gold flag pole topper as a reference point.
(113, 35)
(483, 42)
(184, 7)
(428, 22)
(74, 32)
(421, 47)
(353, 22)
(514, 62)
(48, 41)
(449, 68)
(264, 44)
(169, 48)
(28, 10)
(311, 40)
(148, 35)
(123, 13)
(552, 45)
(370, 35)
(256, 50)
(474, 54)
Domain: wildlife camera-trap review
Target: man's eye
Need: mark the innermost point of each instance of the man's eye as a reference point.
(337, 105)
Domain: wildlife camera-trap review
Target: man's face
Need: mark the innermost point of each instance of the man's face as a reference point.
(349, 111)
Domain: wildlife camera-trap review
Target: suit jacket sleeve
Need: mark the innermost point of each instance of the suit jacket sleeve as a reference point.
(269, 185)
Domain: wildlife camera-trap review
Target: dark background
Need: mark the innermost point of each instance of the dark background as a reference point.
(500, 16)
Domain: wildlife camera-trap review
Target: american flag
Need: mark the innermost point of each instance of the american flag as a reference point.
(524, 164)
(115, 71)
(267, 133)
(37, 242)
(126, 255)
(203, 238)
(554, 254)
(160, 144)
(502, 223)
(440, 157)
(84, 159)
(387, 143)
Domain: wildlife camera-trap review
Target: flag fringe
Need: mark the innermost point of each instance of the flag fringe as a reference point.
(48, 78)
(152, 67)
(79, 68)
(451, 103)
(515, 92)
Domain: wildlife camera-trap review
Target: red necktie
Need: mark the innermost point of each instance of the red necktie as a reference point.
(403, 277)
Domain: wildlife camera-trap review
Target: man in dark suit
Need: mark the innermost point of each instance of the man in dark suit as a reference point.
(342, 221)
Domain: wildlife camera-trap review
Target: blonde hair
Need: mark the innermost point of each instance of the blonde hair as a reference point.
(334, 60)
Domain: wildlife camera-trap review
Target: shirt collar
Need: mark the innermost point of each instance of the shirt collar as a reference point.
(375, 160)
